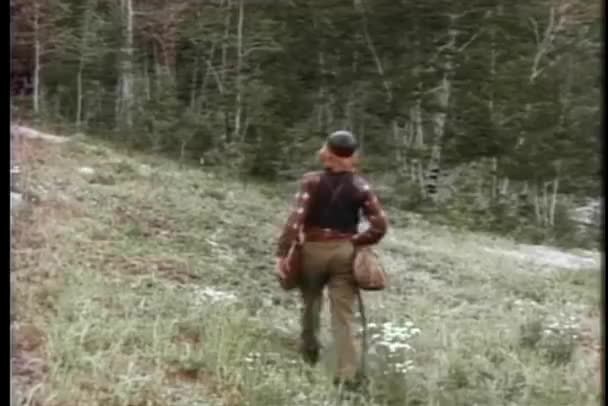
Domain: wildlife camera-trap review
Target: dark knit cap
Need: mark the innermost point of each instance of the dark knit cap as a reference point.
(342, 143)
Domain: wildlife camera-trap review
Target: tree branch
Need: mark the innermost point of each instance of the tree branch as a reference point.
(261, 49)
(535, 30)
(470, 41)
(372, 49)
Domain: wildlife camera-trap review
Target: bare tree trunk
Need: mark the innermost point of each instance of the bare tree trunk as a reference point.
(546, 204)
(360, 5)
(81, 62)
(351, 102)
(372, 49)
(329, 111)
(544, 44)
(128, 83)
(417, 145)
(553, 201)
(117, 104)
(491, 106)
(439, 119)
(238, 79)
(79, 97)
(397, 141)
(127, 65)
(146, 75)
(443, 91)
(494, 178)
(195, 72)
(411, 130)
(418, 130)
(321, 124)
(480, 193)
(525, 188)
(225, 40)
(325, 111)
(11, 50)
(210, 71)
(92, 104)
(421, 179)
(157, 69)
(443, 98)
(347, 119)
(245, 127)
(522, 199)
(379, 67)
(504, 190)
(226, 136)
(362, 138)
(414, 170)
(182, 151)
(37, 51)
(537, 210)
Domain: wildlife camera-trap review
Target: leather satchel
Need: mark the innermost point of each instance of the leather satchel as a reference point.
(368, 270)
(292, 267)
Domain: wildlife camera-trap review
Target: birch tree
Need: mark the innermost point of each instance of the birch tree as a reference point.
(434, 87)
(89, 45)
(126, 70)
(37, 53)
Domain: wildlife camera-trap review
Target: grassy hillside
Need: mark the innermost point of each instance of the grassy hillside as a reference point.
(142, 283)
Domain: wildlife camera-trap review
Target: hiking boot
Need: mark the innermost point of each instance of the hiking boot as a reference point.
(359, 384)
(310, 352)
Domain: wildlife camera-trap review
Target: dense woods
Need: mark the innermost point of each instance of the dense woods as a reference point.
(488, 109)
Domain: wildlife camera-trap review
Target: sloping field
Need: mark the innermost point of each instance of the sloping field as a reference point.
(141, 283)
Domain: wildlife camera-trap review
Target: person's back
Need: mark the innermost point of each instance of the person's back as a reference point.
(336, 204)
(327, 208)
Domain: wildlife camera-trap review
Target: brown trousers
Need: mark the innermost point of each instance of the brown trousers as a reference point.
(330, 263)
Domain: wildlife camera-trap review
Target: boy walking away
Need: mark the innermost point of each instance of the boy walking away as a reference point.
(327, 209)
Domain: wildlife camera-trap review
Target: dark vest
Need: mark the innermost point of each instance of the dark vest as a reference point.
(336, 202)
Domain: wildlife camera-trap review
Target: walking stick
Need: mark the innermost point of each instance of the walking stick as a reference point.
(363, 334)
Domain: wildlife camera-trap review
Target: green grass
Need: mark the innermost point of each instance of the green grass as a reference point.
(116, 273)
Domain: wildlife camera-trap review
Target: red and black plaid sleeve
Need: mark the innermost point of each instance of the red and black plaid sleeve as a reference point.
(295, 219)
(378, 222)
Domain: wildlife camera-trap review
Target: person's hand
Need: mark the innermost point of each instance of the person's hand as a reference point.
(278, 268)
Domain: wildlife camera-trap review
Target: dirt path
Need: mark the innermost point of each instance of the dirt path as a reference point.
(551, 257)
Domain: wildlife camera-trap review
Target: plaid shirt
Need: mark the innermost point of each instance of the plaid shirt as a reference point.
(378, 222)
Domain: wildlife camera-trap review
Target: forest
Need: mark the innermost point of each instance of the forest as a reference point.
(485, 112)
(155, 150)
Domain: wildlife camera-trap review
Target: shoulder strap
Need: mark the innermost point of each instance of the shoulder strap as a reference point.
(334, 195)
